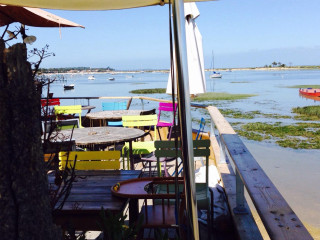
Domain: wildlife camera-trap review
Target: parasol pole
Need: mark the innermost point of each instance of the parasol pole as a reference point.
(183, 93)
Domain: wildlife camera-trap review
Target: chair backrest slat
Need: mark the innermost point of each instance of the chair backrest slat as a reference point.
(50, 102)
(111, 106)
(70, 109)
(201, 148)
(90, 160)
(166, 107)
(140, 121)
(48, 126)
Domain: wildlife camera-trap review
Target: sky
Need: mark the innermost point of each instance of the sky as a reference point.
(239, 33)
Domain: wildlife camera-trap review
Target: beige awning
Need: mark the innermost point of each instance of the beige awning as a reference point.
(88, 4)
(32, 17)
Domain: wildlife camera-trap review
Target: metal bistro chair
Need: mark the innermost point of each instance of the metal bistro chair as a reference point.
(46, 107)
(71, 109)
(166, 108)
(50, 126)
(200, 132)
(145, 147)
(90, 160)
(112, 106)
(201, 148)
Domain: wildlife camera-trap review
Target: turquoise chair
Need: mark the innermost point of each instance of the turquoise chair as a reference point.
(112, 106)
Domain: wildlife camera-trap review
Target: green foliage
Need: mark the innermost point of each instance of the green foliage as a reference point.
(238, 114)
(300, 135)
(221, 96)
(149, 91)
(114, 228)
(75, 69)
(308, 112)
(304, 86)
(249, 115)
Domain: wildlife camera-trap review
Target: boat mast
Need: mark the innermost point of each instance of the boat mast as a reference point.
(212, 62)
(183, 94)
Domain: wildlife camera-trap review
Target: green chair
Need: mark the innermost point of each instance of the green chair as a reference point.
(144, 147)
(72, 109)
(201, 148)
(90, 160)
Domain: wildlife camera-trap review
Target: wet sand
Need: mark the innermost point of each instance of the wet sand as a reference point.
(296, 174)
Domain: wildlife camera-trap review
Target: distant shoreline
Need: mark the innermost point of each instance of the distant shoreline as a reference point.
(167, 71)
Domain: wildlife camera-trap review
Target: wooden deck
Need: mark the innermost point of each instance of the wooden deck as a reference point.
(239, 171)
(90, 192)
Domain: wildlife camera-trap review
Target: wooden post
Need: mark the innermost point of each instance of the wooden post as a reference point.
(24, 203)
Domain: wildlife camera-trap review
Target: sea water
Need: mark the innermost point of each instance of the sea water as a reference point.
(296, 173)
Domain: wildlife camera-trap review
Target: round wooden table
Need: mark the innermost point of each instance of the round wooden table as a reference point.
(112, 115)
(87, 107)
(104, 136)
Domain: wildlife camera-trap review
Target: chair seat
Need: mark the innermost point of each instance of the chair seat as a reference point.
(202, 193)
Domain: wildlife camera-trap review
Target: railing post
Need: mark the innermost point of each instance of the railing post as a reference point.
(142, 103)
(240, 208)
(222, 151)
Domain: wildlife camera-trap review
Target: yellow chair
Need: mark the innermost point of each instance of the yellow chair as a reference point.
(90, 160)
(71, 109)
(144, 147)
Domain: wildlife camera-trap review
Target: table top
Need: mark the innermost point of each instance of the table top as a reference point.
(90, 191)
(102, 135)
(112, 115)
(87, 107)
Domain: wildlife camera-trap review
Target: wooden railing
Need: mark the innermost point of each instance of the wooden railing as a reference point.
(142, 98)
(278, 218)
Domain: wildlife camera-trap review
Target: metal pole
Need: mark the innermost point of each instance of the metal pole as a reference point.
(183, 93)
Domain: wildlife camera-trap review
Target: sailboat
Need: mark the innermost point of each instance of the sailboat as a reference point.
(214, 74)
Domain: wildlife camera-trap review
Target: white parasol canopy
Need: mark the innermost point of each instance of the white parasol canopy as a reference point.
(89, 4)
(197, 81)
(32, 17)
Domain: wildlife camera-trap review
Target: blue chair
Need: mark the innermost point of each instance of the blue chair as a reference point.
(112, 106)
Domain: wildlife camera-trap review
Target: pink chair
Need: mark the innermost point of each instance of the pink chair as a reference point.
(166, 107)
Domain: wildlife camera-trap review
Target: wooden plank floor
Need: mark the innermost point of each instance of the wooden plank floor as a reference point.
(90, 192)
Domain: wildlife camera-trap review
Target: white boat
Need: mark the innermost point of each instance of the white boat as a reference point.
(68, 87)
(214, 74)
(91, 77)
(111, 78)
